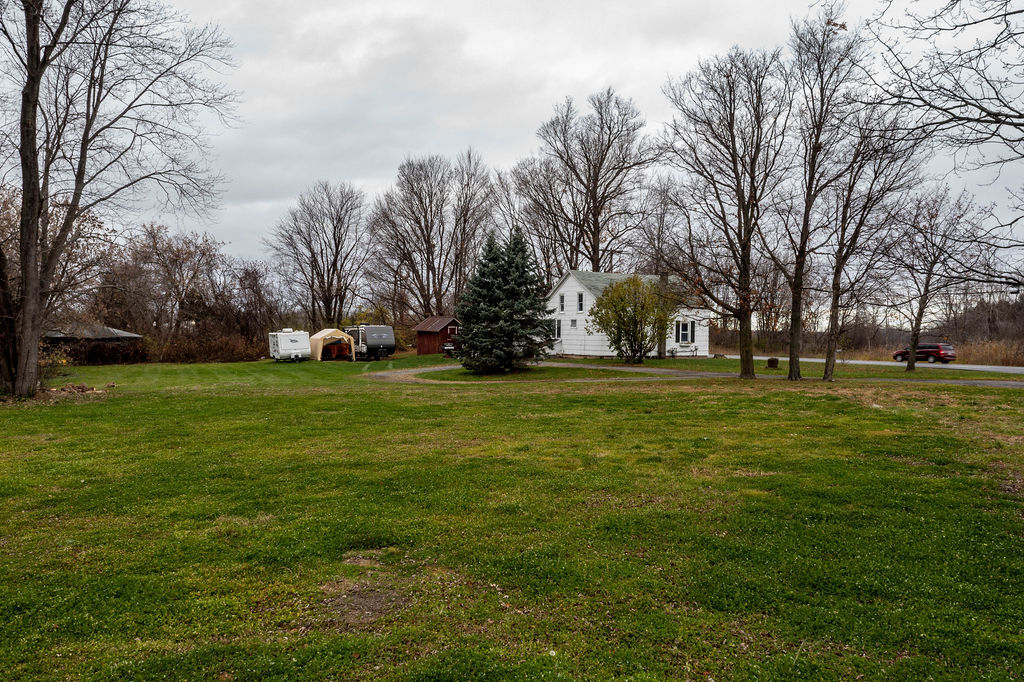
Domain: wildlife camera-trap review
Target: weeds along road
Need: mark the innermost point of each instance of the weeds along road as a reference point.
(921, 363)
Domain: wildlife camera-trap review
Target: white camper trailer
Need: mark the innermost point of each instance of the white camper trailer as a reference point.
(289, 344)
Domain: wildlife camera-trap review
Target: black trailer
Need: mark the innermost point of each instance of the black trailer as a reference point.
(373, 342)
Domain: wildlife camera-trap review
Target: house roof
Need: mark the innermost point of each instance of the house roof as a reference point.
(92, 332)
(597, 282)
(435, 323)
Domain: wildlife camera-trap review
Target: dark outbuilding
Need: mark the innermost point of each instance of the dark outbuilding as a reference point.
(95, 344)
(434, 332)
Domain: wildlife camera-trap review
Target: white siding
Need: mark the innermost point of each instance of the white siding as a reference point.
(579, 342)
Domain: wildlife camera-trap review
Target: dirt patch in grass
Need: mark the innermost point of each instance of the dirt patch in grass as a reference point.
(1012, 482)
(367, 558)
(753, 637)
(751, 473)
(345, 604)
(615, 501)
(356, 603)
(260, 519)
(59, 394)
(911, 461)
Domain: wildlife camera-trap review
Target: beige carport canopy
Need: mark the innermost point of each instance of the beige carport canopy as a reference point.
(327, 336)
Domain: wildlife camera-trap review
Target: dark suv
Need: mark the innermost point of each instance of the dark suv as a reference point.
(932, 352)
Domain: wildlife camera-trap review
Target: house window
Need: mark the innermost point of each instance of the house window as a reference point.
(684, 331)
(579, 302)
(558, 329)
(453, 330)
(572, 324)
(561, 303)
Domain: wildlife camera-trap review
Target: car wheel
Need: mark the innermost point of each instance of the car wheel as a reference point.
(945, 362)
(901, 358)
(931, 359)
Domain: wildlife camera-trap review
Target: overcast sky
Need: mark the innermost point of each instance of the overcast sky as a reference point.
(346, 90)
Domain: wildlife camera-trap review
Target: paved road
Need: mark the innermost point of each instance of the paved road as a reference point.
(418, 375)
(920, 363)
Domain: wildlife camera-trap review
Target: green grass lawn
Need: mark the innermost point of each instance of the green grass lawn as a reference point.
(262, 521)
(809, 370)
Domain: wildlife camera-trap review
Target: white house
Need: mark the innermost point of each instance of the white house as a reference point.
(576, 292)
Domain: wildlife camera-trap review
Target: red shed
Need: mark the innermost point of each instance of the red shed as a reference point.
(433, 332)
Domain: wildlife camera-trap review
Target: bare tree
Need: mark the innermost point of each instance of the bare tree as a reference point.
(585, 189)
(158, 284)
(321, 249)
(960, 65)
(247, 298)
(551, 214)
(934, 227)
(472, 207)
(190, 300)
(112, 94)
(512, 212)
(79, 268)
(968, 84)
(662, 222)
(826, 58)
(181, 265)
(429, 227)
(727, 138)
(774, 296)
(862, 208)
(388, 294)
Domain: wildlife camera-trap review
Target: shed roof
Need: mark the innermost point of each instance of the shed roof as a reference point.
(435, 323)
(92, 332)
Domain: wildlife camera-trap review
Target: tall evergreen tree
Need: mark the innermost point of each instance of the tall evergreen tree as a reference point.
(503, 310)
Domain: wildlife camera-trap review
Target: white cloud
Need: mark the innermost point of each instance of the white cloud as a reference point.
(347, 90)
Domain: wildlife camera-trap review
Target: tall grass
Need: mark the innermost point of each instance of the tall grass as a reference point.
(991, 353)
(1003, 352)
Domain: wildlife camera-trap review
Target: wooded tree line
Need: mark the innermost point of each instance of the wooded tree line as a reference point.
(104, 101)
(792, 191)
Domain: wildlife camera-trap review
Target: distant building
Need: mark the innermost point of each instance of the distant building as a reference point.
(93, 344)
(574, 295)
(433, 332)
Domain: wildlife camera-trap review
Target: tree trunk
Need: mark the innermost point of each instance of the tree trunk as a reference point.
(745, 313)
(663, 339)
(832, 339)
(30, 331)
(915, 329)
(8, 330)
(796, 310)
(915, 335)
(29, 319)
(796, 327)
(8, 352)
(746, 344)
